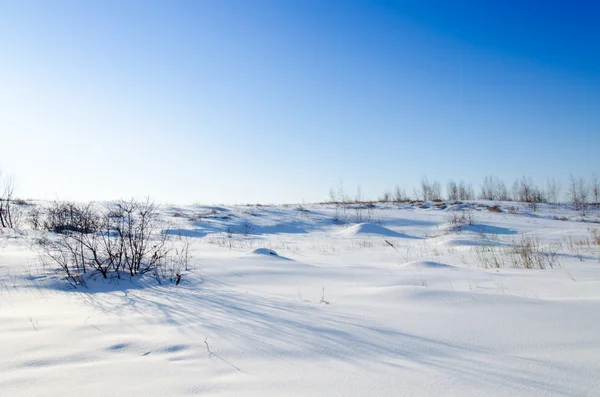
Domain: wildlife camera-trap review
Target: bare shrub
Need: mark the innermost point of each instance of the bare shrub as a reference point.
(595, 189)
(386, 197)
(7, 189)
(138, 226)
(124, 237)
(175, 262)
(436, 191)
(465, 191)
(487, 188)
(578, 191)
(302, 208)
(400, 195)
(35, 218)
(553, 189)
(246, 228)
(340, 199)
(429, 191)
(358, 198)
(63, 217)
(452, 191)
(461, 217)
(526, 191)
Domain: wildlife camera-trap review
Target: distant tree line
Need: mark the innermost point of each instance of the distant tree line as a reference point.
(582, 193)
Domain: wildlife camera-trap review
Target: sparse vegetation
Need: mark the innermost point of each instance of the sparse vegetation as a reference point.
(122, 238)
(459, 217)
(8, 217)
(523, 253)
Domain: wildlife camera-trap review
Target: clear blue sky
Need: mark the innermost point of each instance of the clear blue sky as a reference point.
(277, 101)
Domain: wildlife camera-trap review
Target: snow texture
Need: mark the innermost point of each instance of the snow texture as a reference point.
(402, 305)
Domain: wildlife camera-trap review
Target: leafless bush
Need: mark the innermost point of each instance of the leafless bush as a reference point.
(386, 197)
(452, 191)
(358, 197)
(436, 191)
(493, 188)
(175, 262)
(340, 199)
(487, 188)
(578, 190)
(461, 217)
(7, 188)
(124, 237)
(138, 226)
(400, 194)
(246, 228)
(595, 189)
(35, 218)
(553, 189)
(66, 254)
(465, 191)
(429, 191)
(524, 190)
(63, 217)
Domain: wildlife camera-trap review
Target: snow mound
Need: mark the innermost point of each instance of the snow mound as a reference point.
(369, 228)
(263, 251)
(429, 264)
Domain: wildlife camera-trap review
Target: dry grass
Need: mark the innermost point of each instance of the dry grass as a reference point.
(522, 253)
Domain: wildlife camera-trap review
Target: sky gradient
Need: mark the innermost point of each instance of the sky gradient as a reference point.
(277, 101)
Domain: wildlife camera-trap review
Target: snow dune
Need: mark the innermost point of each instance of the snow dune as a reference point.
(347, 315)
(369, 229)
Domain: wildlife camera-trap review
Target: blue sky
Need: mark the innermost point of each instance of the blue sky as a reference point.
(277, 101)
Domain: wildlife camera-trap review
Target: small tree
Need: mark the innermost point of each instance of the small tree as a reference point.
(400, 194)
(552, 190)
(7, 188)
(425, 189)
(595, 188)
(338, 197)
(358, 197)
(452, 191)
(436, 191)
(465, 191)
(578, 191)
(386, 197)
(500, 190)
(487, 188)
(430, 191)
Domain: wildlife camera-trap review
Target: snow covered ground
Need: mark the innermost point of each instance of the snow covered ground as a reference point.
(281, 300)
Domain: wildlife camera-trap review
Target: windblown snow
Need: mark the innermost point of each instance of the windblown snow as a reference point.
(401, 304)
(368, 228)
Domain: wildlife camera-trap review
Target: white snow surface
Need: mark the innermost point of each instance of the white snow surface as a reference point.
(400, 305)
(368, 228)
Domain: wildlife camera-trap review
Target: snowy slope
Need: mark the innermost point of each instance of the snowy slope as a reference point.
(295, 304)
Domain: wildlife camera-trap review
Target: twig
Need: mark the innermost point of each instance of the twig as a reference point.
(32, 324)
